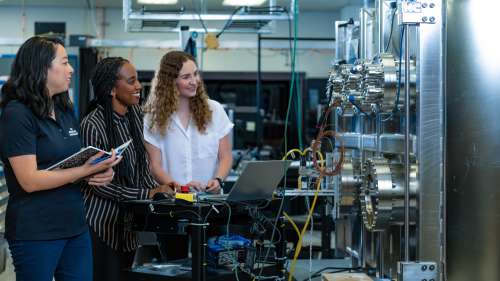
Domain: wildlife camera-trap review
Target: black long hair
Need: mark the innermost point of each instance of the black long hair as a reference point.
(28, 77)
(103, 81)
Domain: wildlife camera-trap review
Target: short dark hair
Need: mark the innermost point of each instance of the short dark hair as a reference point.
(28, 77)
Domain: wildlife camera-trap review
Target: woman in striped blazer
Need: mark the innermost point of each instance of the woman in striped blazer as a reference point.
(115, 117)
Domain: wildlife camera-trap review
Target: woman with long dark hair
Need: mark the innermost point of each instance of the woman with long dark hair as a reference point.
(115, 117)
(45, 222)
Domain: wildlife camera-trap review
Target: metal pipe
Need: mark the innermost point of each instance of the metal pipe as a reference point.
(127, 9)
(362, 246)
(407, 143)
(380, 25)
(203, 7)
(362, 26)
(272, 5)
(364, 15)
(292, 8)
(378, 129)
(381, 237)
(206, 17)
(362, 132)
(258, 121)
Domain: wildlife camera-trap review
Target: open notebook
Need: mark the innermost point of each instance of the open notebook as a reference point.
(83, 155)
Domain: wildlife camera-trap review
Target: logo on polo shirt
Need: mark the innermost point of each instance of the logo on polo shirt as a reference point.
(72, 132)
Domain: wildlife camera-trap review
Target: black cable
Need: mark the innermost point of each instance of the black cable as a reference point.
(228, 217)
(400, 64)
(171, 213)
(398, 91)
(198, 11)
(273, 232)
(229, 21)
(360, 109)
(271, 9)
(224, 202)
(316, 275)
(390, 34)
(335, 270)
(208, 214)
(259, 216)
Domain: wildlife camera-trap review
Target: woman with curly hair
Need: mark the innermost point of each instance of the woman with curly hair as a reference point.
(186, 133)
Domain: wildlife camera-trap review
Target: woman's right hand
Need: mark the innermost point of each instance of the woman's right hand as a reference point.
(164, 188)
(196, 186)
(91, 168)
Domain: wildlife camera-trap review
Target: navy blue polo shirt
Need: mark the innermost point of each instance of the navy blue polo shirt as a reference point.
(42, 215)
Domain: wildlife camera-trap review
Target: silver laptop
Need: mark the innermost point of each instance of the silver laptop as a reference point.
(257, 181)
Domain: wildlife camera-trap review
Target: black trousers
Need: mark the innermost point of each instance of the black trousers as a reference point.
(109, 264)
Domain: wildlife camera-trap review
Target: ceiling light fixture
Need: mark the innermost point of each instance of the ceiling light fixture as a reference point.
(243, 2)
(157, 2)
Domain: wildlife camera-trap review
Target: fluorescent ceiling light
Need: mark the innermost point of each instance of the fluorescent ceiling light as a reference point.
(243, 2)
(157, 2)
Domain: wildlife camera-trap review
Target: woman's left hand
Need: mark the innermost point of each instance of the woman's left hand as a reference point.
(213, 186)
(102, 178)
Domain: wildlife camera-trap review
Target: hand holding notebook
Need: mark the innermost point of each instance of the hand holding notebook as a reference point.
(85, 154)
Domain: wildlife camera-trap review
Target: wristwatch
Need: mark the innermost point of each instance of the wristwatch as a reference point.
(221, 182)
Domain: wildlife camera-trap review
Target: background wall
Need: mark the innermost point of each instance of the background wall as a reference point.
(19, 24)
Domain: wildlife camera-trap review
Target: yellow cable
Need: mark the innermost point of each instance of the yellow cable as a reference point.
(317, 152)
(290, 152)
(286, 156)
(306, 150)
(321, 159)
(298, 248)
(303, 153)
(299, 243)
(293, 223)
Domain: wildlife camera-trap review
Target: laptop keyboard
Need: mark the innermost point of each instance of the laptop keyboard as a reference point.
(210, 197)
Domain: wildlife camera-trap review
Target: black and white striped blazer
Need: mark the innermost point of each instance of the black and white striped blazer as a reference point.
(102, 202)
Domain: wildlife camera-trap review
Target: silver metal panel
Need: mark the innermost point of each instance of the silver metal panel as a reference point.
(430, 132)
(223, 45)
(366, 25)
(136, 18)
(194, 17)
(473, 140)
(417, 271)
(385, 143)
(308, 192)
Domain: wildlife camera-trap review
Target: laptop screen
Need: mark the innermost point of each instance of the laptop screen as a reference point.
(258, 180)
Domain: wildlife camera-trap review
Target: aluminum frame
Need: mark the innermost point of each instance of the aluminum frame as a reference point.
(431, 136)
(129, 15)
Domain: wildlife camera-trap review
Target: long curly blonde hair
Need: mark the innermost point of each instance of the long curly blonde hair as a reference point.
(164, 98)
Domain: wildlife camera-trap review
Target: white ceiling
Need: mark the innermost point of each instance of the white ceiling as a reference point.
(214, 5)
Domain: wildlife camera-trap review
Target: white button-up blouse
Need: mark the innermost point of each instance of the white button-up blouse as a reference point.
(188, 154)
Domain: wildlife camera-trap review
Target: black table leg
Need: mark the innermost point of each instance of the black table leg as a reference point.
(281, 249)
(198, 251)
(326, 231)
